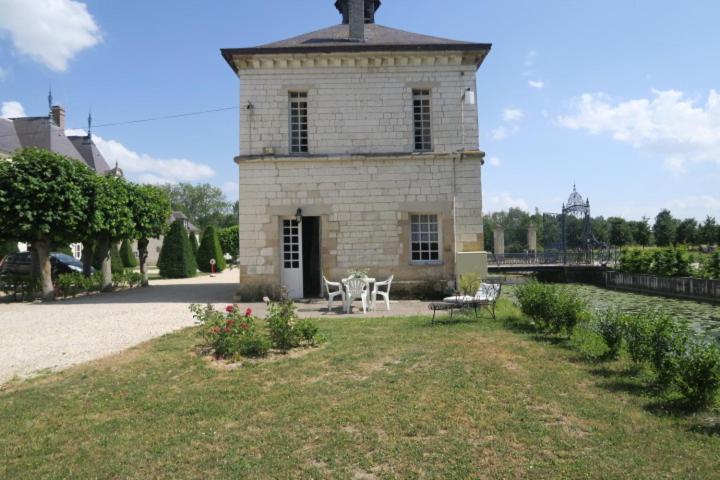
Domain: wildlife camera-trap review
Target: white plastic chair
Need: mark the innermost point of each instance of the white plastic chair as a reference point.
(357, 288)
(385, 294)
(333, 294)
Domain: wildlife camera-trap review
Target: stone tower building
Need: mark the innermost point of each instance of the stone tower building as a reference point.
(358, 150)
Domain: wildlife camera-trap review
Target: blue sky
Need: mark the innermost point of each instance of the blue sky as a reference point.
(621, 97)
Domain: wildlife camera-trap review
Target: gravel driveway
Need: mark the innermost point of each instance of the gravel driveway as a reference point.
(36, 337)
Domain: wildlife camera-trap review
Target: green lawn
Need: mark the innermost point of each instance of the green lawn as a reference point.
(384, 398)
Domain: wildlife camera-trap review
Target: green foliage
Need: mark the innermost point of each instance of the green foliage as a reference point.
(307, 331)
(230, 333)
(193, 244)
(116, 263)
(669, 340)
(229, 240)
(150, 208)
(176, 258)
(665, 262)
(7, 247)
(20, 287)
(698, 377)
(126, 255)
(553, 309)
(711, 266)
(665, 228)
(63, 249)
(610, 325)
(281, 320)
(209, 249)
(127, 278)
(638, 334)
(620, 232)
(44, 195)
(469, 283)
(204, 204)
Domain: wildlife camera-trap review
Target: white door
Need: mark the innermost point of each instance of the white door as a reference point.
(292, 268)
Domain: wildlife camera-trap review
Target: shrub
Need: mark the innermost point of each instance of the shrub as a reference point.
(711, 266)
(307, 331)
(698, 377)
(193, 244)
(638, 335)
(469, 283)
(7, 247)
(70, 284)
(281, 321)
(552, 308)
(210, 249)
(176, 258)
(127, 257)
(610, 325)
(231, 332)
(669, 341)
(116, 264)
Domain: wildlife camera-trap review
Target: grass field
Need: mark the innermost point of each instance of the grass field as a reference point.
(384, 398)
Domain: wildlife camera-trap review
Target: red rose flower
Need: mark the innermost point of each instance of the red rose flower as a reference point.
(230, 322)
(215, 329)
(230, 308)
(248, 312)
(226, 330)
(244, 326)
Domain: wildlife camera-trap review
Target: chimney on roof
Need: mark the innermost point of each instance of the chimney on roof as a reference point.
(356, 14)
(57, 113)
(371, 7)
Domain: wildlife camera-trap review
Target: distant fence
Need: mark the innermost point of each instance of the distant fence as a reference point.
(691, 288)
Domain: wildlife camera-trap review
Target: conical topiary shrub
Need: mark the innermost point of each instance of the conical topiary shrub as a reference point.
(193, 244)
(176, 258)
(116, 263)
(126, 255)
(209, 249)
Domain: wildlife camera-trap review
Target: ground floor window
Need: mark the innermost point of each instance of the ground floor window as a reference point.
(77, 249)
(425, 239)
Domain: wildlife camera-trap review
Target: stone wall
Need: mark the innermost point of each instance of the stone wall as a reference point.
(358, 108)
(364, 205)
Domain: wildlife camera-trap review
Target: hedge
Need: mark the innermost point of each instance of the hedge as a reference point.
(176, 257)
(209, 249)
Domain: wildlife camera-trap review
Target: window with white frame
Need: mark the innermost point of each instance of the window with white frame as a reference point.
(422, 120)
(425, 239)
(298, 102)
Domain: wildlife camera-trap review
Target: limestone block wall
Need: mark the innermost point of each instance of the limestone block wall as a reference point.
(364, 204)
(357, 109)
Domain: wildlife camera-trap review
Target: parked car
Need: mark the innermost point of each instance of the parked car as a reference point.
(20, 264)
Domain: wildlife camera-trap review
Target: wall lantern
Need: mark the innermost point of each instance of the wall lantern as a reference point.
(298, 215)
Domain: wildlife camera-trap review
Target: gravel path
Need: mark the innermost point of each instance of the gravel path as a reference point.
(35, 337)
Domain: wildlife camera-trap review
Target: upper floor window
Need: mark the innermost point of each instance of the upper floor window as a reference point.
(421, 117)
(298, 122)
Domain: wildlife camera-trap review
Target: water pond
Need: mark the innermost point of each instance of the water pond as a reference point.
(703, 317)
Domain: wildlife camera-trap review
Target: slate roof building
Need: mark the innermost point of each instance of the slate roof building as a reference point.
(359, 149)
(49, 133)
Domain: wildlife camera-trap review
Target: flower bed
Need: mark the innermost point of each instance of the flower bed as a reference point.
(237, 333)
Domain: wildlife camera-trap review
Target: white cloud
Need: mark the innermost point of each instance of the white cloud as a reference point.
(504, 131)
(12, 110)
(539, 84)
(703, 203)
(513, 114)
(51, 32)
(494, 161)
(504, 201)
(148, 169)
(679, 129)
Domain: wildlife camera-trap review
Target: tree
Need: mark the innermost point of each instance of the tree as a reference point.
(7, 247)
(687, 231)
(620, 233)
(601, 229)
(44, 200)
(229, 240)
(641, 231)
(665, 228)
(204, 204)
(709, 232)
(176, 258)
(210, 249)
(193, 243)
(127, 256)
(111, 220)
(150, 211)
